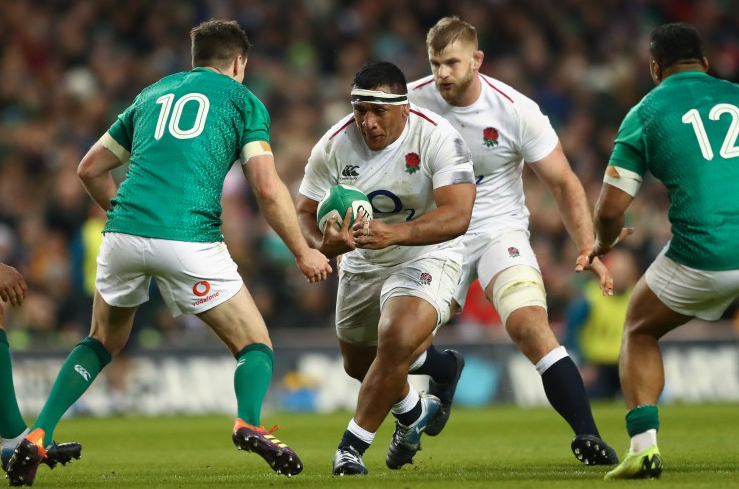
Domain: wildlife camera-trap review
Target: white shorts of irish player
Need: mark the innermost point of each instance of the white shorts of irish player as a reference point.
(703, 294)
(488, 253)
(192, 277)
(362, 296)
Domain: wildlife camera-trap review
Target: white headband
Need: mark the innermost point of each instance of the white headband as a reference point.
(377, 97)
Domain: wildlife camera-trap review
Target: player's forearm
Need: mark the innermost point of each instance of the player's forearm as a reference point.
(575, 212)
(607, 230)
(441, 224)
(309, 228)
(101, 188)
(278, 210)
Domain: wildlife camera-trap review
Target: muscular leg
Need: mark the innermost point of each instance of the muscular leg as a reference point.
(640, 367)
(238, 323)
(111, 327)
(12, 424)
(642, 379)
(357, 359)
(406, 322)
(528, 327)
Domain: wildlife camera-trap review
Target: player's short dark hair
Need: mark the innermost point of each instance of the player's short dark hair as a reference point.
(217, 42)
(671, 44)
(380, 74)
(448, 30)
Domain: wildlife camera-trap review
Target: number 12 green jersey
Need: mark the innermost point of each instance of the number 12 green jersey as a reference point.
(685, 132)
(183, 134)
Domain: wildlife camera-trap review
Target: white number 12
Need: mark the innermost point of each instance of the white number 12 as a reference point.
(729, 149)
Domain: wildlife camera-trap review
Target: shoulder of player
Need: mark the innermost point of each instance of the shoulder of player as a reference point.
(427, 118)
(504, 93)
(421, 85)
(339, 131)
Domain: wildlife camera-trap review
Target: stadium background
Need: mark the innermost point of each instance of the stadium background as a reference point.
(69, 67)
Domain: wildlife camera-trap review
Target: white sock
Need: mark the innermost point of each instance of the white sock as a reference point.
(408, 403)
(418, 363)
(550, 359)
(642, 441)
(12, 442)
(360, 432)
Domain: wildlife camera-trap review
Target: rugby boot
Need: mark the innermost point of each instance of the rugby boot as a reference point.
(348, 461)
(646, 464)
(591, 450)
(277, 454)
(26, 458)
(406, 441)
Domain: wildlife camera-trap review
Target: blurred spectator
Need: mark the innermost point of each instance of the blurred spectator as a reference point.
(595, 324)
(70, 67)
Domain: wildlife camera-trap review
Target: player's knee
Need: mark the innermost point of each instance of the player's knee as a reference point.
(354, 372)
(518, 287)
(356, 368)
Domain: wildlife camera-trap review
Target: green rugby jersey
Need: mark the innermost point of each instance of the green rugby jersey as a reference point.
(183, 132)
(685, 133)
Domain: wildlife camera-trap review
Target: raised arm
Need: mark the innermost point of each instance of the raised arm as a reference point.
(94, 171)
(555, 172)
(278, 209)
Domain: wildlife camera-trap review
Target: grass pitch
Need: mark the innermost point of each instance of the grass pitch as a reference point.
(501, 446)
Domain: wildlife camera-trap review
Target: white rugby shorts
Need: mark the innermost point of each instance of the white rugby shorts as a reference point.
(192, 277)
(488, 253)
(362, 296)
(704, 294)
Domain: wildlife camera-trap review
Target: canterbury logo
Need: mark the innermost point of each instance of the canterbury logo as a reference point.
(350, 171)
(83, 372)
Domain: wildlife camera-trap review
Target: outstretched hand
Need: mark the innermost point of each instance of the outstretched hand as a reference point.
(600, 249)
(314, 265)
(605, 279)
(13, 287)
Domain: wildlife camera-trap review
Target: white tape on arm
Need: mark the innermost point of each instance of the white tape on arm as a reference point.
(255, 148)
(107, 142)
(621, 178)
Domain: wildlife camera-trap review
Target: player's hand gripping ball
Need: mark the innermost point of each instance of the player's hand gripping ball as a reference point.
(337, 200)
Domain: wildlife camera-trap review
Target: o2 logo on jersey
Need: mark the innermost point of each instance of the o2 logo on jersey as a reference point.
(379, 200)
(201, 288)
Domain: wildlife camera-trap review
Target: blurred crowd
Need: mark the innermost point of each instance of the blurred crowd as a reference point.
(69, 67)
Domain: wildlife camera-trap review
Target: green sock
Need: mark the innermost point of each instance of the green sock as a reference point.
(78, 372)
(251, 380)
(641, 419)
(11, 421)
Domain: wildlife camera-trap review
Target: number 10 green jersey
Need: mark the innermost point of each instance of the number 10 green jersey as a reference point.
(183, 134)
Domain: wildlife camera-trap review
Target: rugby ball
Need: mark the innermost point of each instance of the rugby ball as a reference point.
(337, 200)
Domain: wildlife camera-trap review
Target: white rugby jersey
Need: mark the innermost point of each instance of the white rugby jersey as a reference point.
(399, 180)
(503, 128)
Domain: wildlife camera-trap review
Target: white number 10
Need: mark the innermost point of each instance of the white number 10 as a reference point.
(174, 123)
(729, 149)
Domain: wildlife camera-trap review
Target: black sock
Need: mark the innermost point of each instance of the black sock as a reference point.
(440, 366)
(350, 440)
(410, 417)
(566, 393)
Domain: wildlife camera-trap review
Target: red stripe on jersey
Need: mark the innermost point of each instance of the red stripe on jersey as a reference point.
(423, 84)
(424, 116)
(342, 127)
(496, 89)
